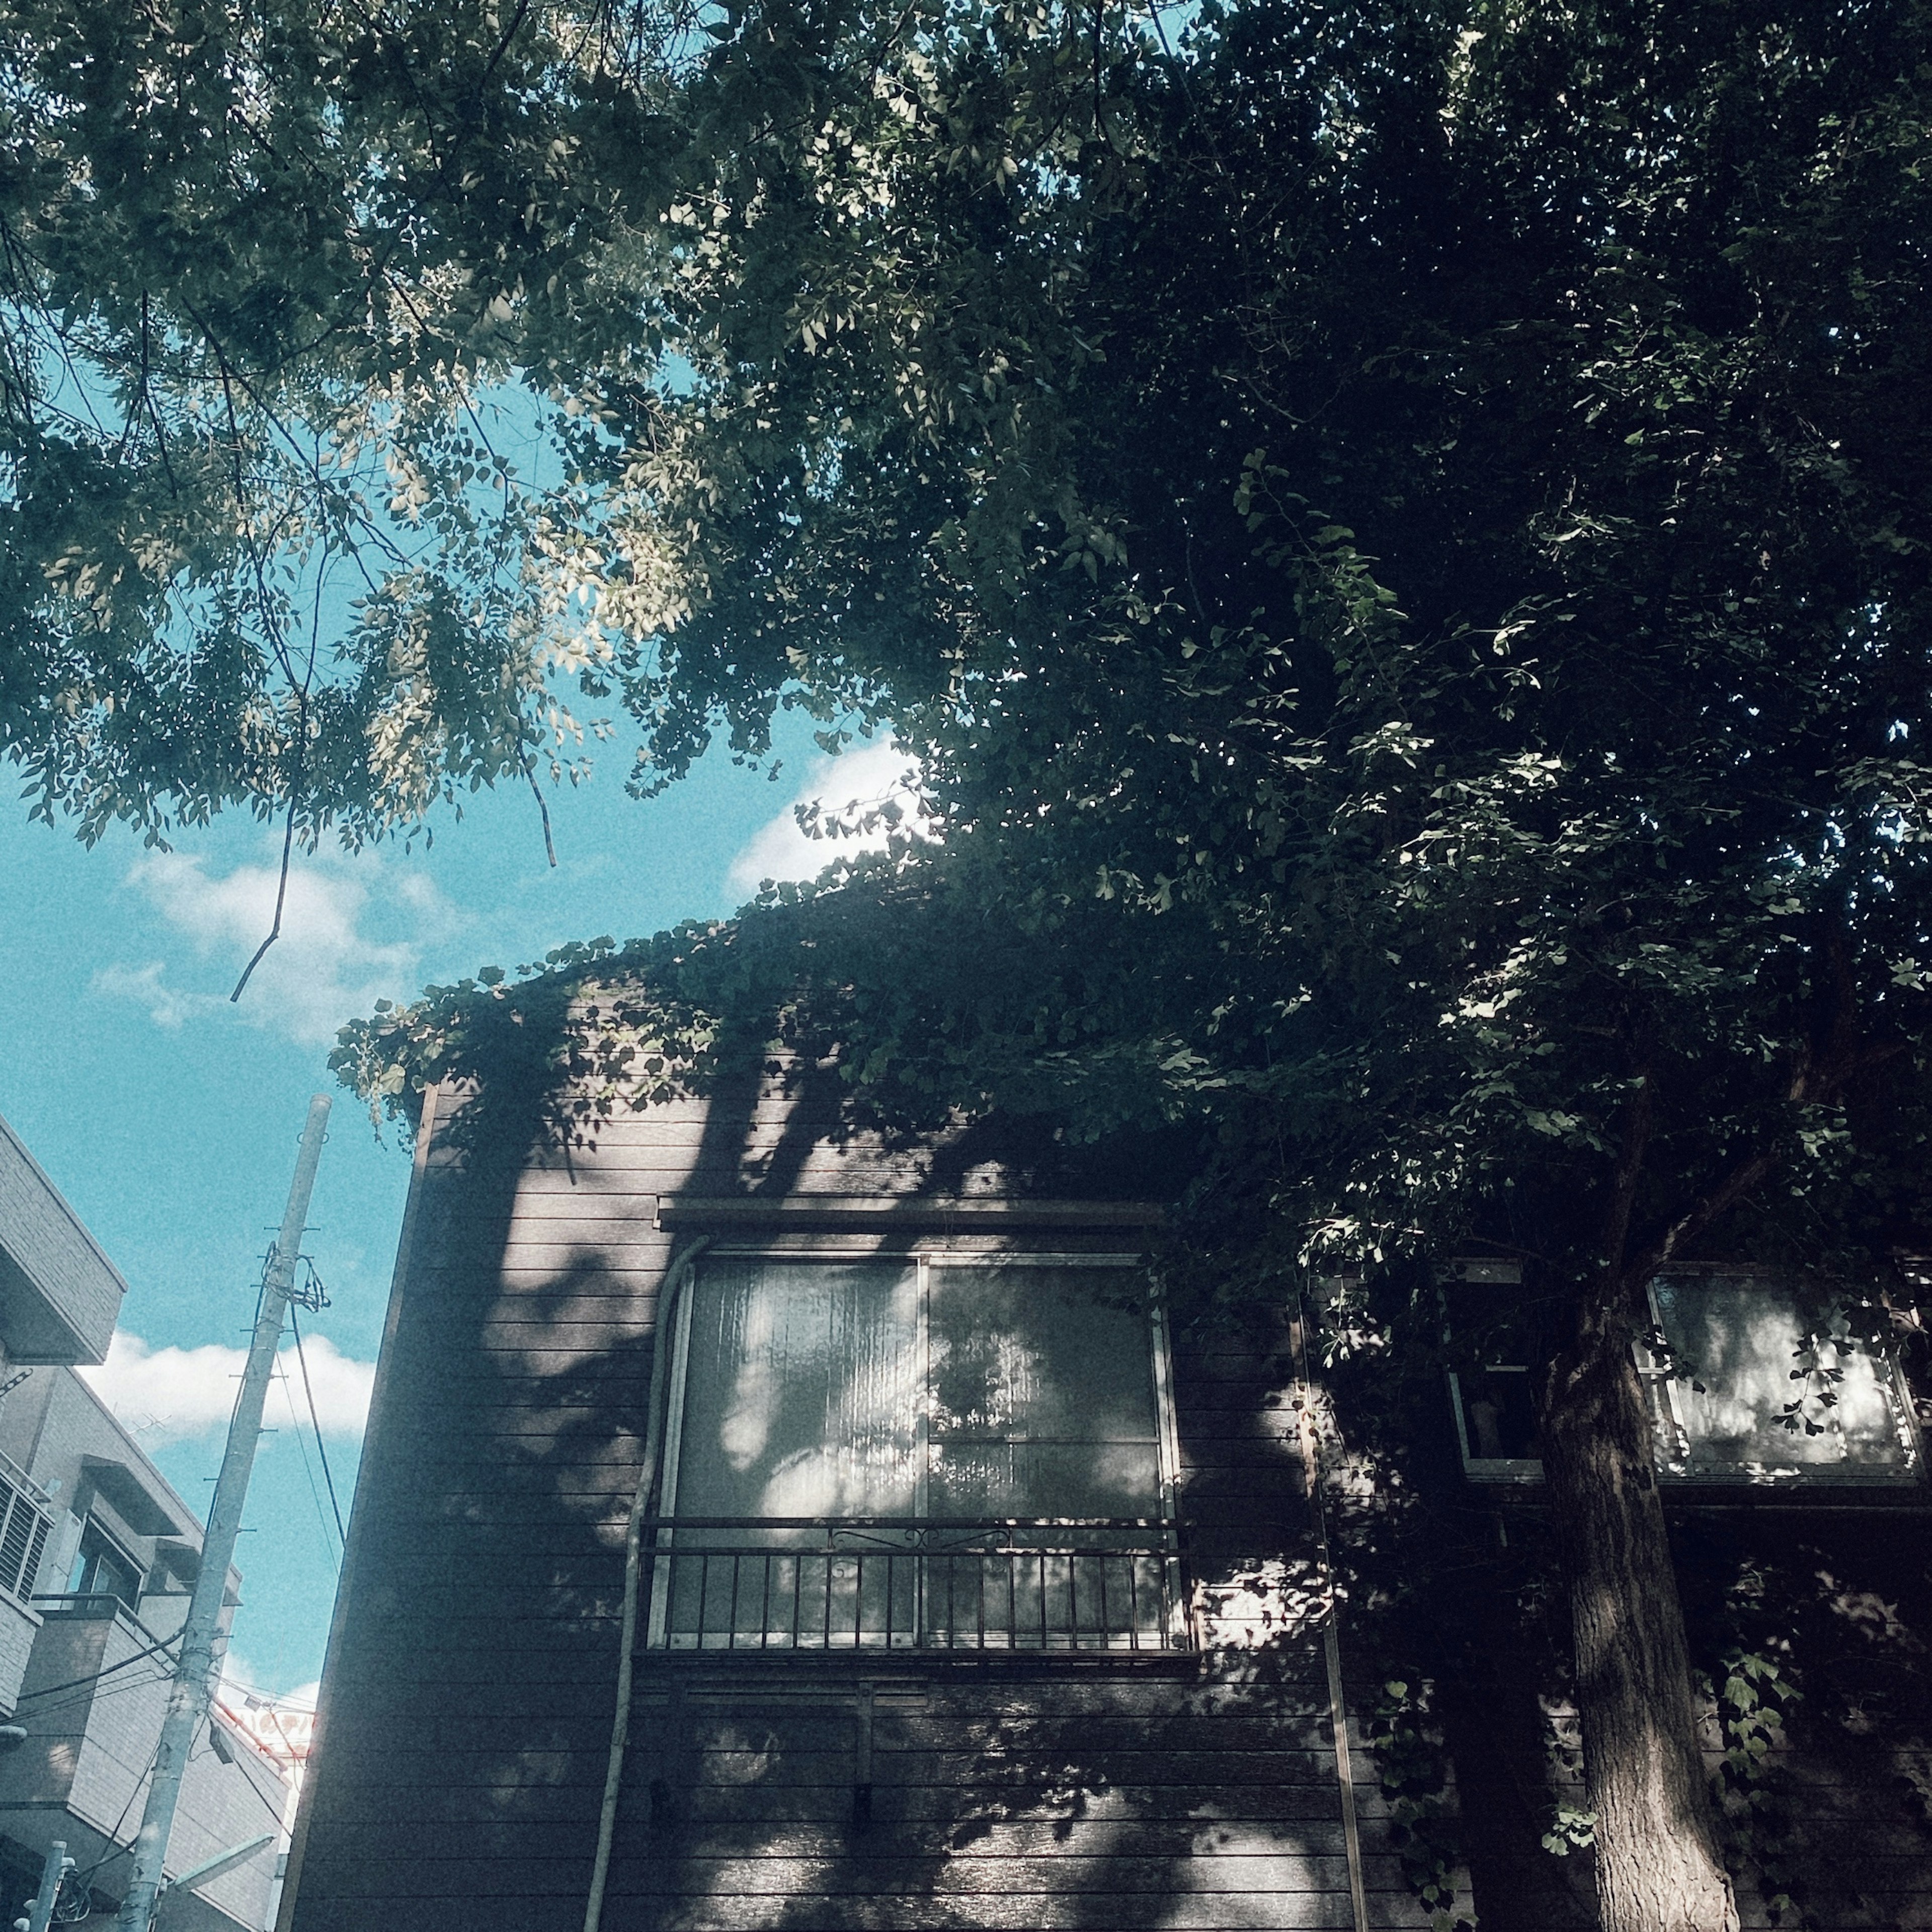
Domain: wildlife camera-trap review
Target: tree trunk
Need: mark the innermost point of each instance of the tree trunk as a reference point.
(1658, 1867)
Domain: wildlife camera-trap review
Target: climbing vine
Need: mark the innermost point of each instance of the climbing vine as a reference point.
(1414, 1769)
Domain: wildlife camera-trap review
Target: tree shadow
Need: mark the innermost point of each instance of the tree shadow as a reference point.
(468, 1700)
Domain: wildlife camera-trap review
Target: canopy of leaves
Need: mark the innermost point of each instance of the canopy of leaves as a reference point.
(268, 497)
(1396, 534)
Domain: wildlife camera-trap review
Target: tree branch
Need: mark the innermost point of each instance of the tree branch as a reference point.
(1637, 1118)
(1812, 1083)
(530, 772)
(281, 894)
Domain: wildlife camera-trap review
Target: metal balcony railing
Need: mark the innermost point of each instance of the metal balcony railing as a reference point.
(823, 1583)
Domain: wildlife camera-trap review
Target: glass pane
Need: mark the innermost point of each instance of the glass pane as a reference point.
(1741, 1338)
(1042, 1393)
(1499, 1415)
(801, 1398)
(803, 1391)
(807, 1393)
(1002, 1479)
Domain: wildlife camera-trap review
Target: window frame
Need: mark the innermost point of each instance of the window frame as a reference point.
(1664, 1391)
(1663, 1401)
(1490, 1468)
(925, 1254)
(114, 1549)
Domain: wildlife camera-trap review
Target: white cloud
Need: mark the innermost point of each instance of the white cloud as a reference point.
(169, 1395)
(167, 1007)
(328, 966)
(780, 850)
(243, 1681)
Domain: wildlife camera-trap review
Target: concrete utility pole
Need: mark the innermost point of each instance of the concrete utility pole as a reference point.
(55, 1867)
(187, 1696)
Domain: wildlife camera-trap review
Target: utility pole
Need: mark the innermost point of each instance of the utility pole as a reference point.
(187, 1695)
(54, 1868)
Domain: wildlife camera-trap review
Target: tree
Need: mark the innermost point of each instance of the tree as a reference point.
(1397, 539)
(1403, 533)
(268, 498)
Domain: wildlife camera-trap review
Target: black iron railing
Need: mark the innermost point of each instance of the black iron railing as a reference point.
(821, 1583)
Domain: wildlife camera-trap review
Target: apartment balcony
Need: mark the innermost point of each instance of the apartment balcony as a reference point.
(92, 1706)
(26, 1523)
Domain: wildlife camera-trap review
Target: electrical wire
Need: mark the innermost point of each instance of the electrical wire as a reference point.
(75, 1683)
(255, 1690)
(333, 1547)
(274, 1811)
(76, 1701)
(301, 1362)
(120, 1850)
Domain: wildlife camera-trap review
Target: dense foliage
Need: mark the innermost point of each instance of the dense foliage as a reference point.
(267, 495)
(1396, 537)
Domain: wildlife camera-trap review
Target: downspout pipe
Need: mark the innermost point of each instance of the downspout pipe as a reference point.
(1309, 1430)
(676, 1282)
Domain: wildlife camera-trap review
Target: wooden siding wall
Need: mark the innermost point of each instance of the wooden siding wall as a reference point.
(467, 1703)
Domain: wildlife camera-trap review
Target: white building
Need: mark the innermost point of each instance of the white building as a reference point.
(98, 1556)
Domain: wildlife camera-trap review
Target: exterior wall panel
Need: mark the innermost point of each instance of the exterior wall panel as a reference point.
(467, 1706)
(59, 1294)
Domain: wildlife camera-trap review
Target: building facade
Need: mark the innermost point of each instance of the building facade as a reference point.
(962, 1601)
(98, 1556)
(961, 1591)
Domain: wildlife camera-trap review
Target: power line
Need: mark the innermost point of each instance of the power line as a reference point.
(301, 1362)
(41, 1713)
(274, 1811)
(328, 1544)
(255, 1690)
(75, 1683)
(108, 1859)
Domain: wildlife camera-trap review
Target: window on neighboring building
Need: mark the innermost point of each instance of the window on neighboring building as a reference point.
(1758, 1379)
(102, 1568)
(934, 1450)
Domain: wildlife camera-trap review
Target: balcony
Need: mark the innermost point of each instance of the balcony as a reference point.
(845, 1584)
(96, 1689)
(26, 1521)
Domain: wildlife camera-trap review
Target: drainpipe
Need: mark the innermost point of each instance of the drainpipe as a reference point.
(1310, 1431)
(676, 1283)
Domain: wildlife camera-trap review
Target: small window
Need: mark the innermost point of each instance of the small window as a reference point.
(1497, 1410)
(935, 1451)
(1492, 1394)
(1759, 1380)
(102, 1568)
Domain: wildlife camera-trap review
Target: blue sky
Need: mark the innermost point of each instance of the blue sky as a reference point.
(168, 1117)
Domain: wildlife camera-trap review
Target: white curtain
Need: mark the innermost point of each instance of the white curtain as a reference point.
(1043, 1395)
(802, 1390)
(1737, 1340)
